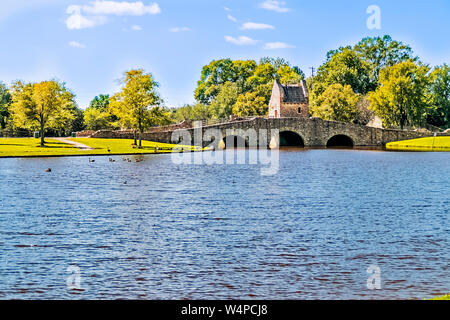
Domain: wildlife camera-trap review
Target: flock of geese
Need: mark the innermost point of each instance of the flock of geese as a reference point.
(123, 159)
(140, 159)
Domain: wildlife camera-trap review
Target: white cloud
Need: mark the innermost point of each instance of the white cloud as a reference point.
(123, 8)
(76, 44)
(78, 21)
(277, 45)
(256, 26)
(179, 29)
(226, 9)
(230, 17)
(94, 14)
(241, 41)
(273, 5)
(136, 28)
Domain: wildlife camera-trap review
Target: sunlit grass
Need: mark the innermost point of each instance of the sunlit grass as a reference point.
(423, 144)
(30, 147)
(125, 146)
(26, 147)
(446, 297)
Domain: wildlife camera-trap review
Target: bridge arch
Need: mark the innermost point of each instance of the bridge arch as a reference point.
(234, 142)
(291, 139)
(340, 141)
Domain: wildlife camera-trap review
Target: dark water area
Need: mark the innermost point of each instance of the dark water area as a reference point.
(159, 230)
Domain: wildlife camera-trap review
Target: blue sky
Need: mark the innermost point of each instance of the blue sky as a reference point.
(89, 44)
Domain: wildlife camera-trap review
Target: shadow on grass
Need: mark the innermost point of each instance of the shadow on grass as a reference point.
(54, 147)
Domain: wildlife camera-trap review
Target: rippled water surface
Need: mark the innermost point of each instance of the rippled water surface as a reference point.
(158, 230)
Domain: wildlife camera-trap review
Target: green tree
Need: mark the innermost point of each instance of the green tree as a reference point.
(38, 105)
(77, 124)
(100, 102)
(95, 119)
(197, 111)
(224, 81)
(5, 101)
(250, 104)
(382, 52)
(222, 106)
(136, 105)
(401, 98)
(344, 67)
(439, 113)
(337, 103)
(219, 72)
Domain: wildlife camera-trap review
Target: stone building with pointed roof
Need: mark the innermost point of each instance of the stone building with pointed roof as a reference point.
(289, 101)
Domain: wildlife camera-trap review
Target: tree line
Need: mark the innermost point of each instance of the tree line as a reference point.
(376, 77)
(49, 107)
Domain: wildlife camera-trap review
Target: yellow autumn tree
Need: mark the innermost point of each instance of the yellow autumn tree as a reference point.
(137, 104)
(41, 105)
(337, 103)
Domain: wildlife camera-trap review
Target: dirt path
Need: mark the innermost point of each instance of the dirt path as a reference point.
(75, 144)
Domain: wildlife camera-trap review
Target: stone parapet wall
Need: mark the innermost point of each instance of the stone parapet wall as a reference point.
(315, 132)
(85, 133)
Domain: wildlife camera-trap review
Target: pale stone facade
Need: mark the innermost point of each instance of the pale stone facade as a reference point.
(289, 101)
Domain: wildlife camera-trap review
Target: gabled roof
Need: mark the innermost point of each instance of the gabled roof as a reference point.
(294, 93)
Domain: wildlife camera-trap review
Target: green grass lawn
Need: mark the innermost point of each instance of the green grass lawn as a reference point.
(29, 147)
(423, 144)
(446, 297)
(124, 146)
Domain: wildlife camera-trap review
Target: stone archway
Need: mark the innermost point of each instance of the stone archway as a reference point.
(291, 139)
(235, 142)
(340, 141)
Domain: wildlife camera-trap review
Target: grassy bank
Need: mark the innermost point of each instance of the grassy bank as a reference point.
(29, 147)
(424, 144)
(446, 297)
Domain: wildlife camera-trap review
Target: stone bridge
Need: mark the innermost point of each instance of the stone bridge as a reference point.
(300, 132)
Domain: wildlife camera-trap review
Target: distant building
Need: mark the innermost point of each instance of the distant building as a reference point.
(289, 101)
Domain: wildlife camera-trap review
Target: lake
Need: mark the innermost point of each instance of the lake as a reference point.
(159, 230)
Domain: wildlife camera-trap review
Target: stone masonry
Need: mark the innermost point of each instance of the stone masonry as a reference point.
(314, 132)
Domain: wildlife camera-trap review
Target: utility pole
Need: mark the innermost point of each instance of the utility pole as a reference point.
(312, 76)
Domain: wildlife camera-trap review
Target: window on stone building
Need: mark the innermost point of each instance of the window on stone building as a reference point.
(299, 110)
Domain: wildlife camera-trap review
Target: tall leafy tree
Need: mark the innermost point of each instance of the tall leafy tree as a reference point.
(222, 106)
(224, 81)
(344, 67)
(136, 105)
(38, 105)
(95, 119)
(402, 98)
(5, 101)
(383, 52)
(100, 102)
(250, 104)
(219, 72)
(439, 113)
(338, 103)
